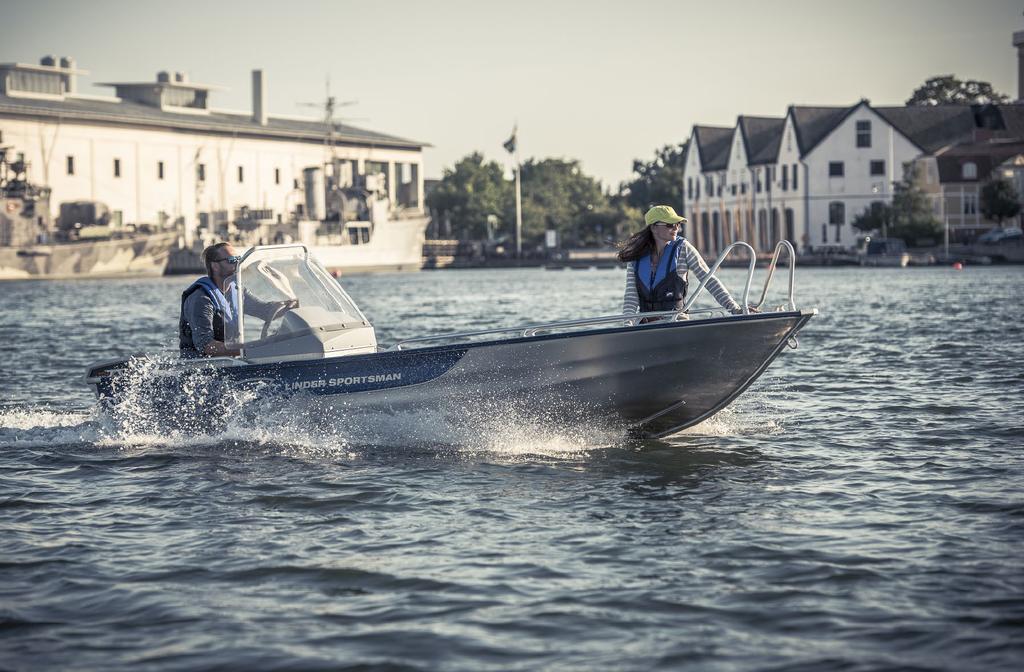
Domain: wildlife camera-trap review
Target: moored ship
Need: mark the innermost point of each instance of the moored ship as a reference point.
(33, 247)
(345, 218)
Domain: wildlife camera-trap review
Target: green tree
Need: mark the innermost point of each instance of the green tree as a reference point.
(999, 201)
(556, 194)
(909, 216)
(947, 90)
(657, 181)
(877, 217)
(468, 194)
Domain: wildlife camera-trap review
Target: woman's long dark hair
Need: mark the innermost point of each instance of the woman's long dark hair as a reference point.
(637, 246)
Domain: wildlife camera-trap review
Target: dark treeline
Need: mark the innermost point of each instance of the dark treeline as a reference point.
(475, 201)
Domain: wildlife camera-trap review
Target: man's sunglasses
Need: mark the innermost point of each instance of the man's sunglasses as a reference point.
(234, 261)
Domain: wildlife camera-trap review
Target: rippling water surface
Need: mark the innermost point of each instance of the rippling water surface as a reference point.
(860, 507)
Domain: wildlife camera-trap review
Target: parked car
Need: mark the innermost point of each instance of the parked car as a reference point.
(998, 235)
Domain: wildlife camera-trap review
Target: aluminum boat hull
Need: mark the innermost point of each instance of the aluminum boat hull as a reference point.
(654, 379)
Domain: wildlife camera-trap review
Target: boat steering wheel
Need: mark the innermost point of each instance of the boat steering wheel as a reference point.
(278, 312)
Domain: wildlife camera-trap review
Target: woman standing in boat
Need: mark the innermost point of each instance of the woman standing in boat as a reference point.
(658, 264)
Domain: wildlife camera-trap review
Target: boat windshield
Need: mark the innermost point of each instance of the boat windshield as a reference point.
(271, 281)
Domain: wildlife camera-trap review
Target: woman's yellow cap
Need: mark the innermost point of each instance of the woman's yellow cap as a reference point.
(663, 213)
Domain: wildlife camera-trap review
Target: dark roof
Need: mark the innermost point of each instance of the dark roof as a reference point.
(985, 155)
(713, 146)
(931, 127)
(221, 123)
(813, 124)
(1011, 118)
(761, 136)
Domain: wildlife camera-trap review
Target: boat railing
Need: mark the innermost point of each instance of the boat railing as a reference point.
(714, 267)
(641, 319)
(787, 247)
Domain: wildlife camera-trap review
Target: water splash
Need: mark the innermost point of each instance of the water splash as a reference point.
(36, 427)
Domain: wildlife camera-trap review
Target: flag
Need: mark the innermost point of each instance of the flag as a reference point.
(510, 144)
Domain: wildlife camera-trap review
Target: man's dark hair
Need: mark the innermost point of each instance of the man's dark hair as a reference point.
(210, 253)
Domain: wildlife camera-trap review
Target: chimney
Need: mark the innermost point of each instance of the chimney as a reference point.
(1018, 41)
(68, 63)
(259, 98)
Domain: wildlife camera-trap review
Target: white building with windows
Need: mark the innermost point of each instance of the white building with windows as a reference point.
(707, 156)
(954, 178)
(157, 154)
(806, 177)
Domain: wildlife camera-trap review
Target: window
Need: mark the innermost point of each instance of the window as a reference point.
(863, 133)
(734, 190)
(877, 168)
(160, 170)
(824, 234)
(785, 178)
(201, 172)
(689, 187)
(743, 187)
(241, 174)
(277, 176)
(117, 167)
(835, 169)
(757, 180)
(71, 165)
(970, 204)
(837, 217)
(698, 190)
(836, 213)
(721, 181)
(795, 185)
(969, 170)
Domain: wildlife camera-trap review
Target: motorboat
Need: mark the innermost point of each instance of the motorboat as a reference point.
(651, 374)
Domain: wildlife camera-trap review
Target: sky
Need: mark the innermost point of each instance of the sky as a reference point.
(601, 82)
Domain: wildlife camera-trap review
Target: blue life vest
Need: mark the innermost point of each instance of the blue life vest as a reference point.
(223, 311)
(661, 288)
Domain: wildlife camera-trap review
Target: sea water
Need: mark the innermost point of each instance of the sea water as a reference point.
(859, 507)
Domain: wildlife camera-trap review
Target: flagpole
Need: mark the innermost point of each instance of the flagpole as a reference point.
(512, 147)
(519, 211)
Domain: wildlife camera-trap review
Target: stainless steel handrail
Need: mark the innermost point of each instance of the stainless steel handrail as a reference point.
(714, 267)
(788, 247)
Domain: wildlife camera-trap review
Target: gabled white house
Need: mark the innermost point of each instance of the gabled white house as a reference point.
(703, 172)
(807, 176)
(850, 163)
(727, 172)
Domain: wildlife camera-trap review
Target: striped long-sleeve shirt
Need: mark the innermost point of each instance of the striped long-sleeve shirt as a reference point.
(687, 258)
